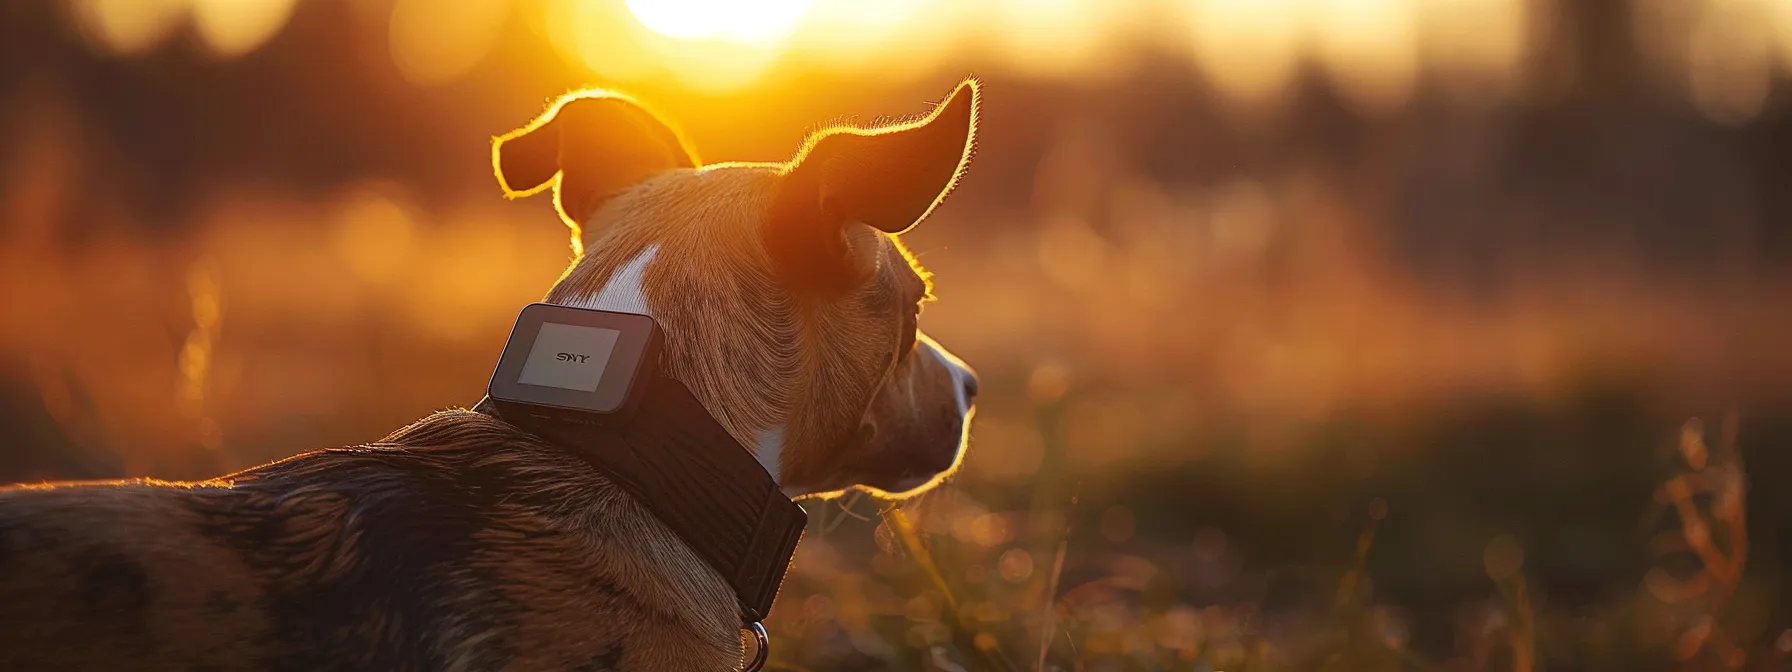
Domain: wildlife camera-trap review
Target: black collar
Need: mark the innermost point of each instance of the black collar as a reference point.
(676, 459)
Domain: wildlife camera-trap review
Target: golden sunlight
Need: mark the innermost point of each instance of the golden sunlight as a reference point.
(757, 22)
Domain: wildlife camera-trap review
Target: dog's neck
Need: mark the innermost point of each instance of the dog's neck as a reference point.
(625, 292)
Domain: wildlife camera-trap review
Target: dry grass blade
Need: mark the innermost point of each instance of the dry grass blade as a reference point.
(1715, 532)
(967, 640)
(1051, 596)
(911, 541)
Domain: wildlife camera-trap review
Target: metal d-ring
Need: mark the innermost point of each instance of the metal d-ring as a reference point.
(761, 647)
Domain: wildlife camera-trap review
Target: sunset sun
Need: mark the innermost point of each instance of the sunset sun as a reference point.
(745, 21)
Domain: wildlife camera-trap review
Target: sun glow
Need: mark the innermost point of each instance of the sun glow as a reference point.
(757, 22)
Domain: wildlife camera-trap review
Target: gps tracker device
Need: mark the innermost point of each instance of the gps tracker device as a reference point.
(589, 382)
(576, 365)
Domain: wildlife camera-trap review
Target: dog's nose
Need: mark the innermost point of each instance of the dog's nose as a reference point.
(970, 385)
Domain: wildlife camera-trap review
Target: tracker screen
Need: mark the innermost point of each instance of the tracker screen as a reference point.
(569, 357)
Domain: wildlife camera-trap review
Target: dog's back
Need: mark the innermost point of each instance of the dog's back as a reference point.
(84, 571)
(424, 552)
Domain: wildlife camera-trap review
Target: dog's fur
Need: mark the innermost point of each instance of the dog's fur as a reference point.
(462, 543)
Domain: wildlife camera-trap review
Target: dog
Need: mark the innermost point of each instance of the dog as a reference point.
(789, 309)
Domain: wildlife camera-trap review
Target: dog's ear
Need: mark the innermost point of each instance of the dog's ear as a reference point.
(888, 178)
(595, 142)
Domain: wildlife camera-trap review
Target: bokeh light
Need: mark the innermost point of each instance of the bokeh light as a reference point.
(1730, 61)
(1248, 47)
(128, 26)
(436, 42)
(231, 28)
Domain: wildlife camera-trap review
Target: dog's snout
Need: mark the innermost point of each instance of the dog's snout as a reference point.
(961, 375)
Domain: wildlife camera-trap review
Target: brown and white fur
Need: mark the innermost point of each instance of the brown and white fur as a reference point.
(461, 543)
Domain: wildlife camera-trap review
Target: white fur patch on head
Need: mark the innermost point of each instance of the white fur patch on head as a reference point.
(769, 450)
(623, 293)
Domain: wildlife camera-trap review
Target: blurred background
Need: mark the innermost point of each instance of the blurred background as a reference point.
(1315, 334)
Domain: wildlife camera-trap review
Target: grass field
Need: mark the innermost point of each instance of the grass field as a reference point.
(953, 582)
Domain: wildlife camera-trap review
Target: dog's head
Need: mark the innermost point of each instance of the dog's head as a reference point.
(788, 303)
